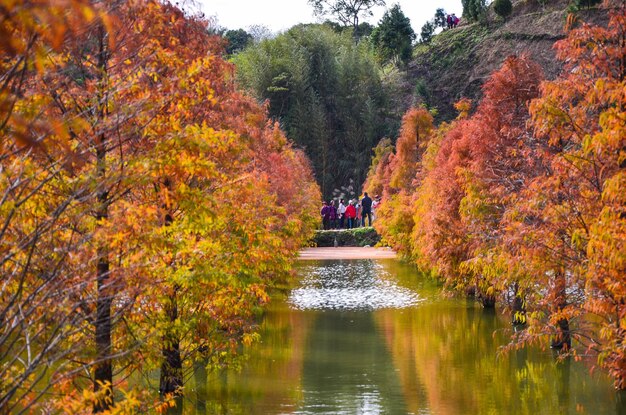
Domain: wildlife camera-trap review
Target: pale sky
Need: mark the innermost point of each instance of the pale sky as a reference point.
(279, 15)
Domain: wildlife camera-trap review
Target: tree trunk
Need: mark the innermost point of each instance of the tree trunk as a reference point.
(103, 371)
(519, 310)
(487, 301)
(171, 381)
(562, 340)
(487, 298)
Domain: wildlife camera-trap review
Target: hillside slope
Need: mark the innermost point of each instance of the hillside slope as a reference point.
(456, 62)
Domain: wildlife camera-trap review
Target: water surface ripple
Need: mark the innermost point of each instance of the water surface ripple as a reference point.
(350, 285)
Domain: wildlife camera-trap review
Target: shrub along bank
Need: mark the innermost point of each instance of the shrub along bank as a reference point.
(346, 237)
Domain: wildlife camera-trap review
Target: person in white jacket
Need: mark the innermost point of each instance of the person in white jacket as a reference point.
(341, 210)
(375, 204)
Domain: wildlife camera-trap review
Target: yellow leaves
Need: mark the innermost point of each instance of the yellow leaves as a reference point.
(164, 406)
(80, 403)
(614, 191)
(175, 141)
(520, 317)
(463, 106)
(579, 238)
(249, 338)
(88, 12)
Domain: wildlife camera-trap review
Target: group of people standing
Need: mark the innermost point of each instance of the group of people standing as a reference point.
(351, 215)
(452, 20)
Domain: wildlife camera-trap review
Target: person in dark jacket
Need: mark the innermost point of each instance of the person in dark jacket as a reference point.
(366, 205)
(333, 214)
(325, 212)
(455, 20)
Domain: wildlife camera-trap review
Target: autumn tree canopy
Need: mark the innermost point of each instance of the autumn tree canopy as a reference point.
(521, 203)
(147, 205)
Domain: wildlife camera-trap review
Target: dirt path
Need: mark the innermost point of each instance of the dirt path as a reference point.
(346, 253)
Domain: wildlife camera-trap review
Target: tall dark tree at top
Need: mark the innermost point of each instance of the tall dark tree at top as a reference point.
(237, 40)
(347, 12)
(393, 36)
(503, 8)
(440, 18)
(474, 9)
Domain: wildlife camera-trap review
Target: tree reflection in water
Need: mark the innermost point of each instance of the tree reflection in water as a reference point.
(438, 355)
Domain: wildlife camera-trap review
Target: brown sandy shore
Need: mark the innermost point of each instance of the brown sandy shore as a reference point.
(346, 253)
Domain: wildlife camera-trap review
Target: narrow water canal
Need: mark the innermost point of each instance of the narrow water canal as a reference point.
(374, 337)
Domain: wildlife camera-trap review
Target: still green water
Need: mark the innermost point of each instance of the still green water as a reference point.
(376, 337)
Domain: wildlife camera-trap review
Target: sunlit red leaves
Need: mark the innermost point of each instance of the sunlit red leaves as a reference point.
(394, 176)
(29, 33)
(377, 182)
(530, 198)
(416, 130)
(582, 114)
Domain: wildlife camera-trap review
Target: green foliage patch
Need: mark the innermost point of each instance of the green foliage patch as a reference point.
(366, 236)
(393, 36)
(327, 93)
(503, 8)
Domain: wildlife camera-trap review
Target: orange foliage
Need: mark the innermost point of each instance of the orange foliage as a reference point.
(503, 158)
(525, 202)
(417, 126)
(377, 182)
(395, 175)
(579, 207)
(439, 235)
(154, 186)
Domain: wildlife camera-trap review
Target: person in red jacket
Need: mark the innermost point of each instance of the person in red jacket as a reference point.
(350, 214)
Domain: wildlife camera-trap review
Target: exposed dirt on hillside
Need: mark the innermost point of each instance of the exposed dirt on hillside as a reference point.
(457, 62)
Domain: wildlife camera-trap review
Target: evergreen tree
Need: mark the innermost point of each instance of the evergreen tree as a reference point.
(237, 40)
(427, 32)
(465, 4)
(503, 8)
(393, 36)
(474, 9)
(364, 29)
(587, 3)
(440, 18)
